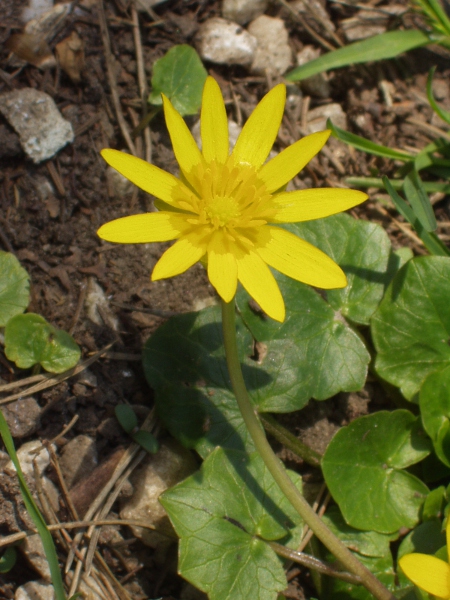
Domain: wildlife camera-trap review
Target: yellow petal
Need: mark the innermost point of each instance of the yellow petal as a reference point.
(143, 229)
(447, 530)
(281, 169)
(149, 178)
(428, 573)
(260, 131)
(178, 258)
(222, 268)
(259, 282)
(306, 205)
(186, 150)
(214, 123)
(298, 259)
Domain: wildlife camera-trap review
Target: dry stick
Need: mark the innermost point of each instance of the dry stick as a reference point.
(54, 380)
(112, 77)
(309, 6)
(142, 79)
(126, 459)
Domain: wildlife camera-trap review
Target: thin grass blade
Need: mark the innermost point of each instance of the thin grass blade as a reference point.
(419, 201)
(35, 514)
(444, 114)
(380, 47)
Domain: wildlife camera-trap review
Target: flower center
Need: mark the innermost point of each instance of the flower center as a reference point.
(227, 196)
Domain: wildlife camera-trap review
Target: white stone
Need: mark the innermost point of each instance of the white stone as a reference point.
(118, 185)
(33, 550)
(42, 129)
(156, 474)
(35, 9)
(368, 23)
(317, 117)
(317, 85)
(233, 133)
(243, 11)
(48, 23)
(34, 590)
(97, 306)
(224, 42)
(31, 452)
(273, 53)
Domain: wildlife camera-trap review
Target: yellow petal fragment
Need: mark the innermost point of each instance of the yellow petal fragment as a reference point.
(214, 123)
(306, 205)
(178, 258)
(222, 268)
(428, 573)
(260, 131)
(298, 259)
(283, 167)
(149, 178)
(143, 229)
(186, 150)
(259, 282)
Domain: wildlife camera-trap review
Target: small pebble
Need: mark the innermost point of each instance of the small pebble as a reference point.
(225, 43)
(243, 11)
(273, 54)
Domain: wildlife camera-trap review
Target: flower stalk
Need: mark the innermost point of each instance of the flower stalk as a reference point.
(276, 467)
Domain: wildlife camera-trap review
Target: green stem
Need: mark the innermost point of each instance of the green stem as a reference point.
(276, 467)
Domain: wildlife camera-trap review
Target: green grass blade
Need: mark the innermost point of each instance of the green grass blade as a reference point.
(397, 184)
(361, 143)
(380, 47)
(35, 514)
(430, 240)
(419, 201)
(444, 114)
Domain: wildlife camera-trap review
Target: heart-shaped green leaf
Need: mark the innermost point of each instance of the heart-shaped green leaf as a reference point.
(30, 340)
(223, 514)
(363, 468)
(411, 327)
(434, 400)
(14, 287)
(179, 75)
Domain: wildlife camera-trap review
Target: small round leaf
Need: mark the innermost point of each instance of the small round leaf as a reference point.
(30, 340)
(14, 287)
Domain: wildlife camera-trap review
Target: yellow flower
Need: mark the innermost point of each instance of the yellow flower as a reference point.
(428, 572)
(224, 208)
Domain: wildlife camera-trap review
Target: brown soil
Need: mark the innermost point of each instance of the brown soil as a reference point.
(55, 237)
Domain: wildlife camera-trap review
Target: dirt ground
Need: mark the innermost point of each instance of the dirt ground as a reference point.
(54, 234)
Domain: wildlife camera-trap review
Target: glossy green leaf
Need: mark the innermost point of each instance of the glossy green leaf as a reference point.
(14, 287)
(146, 440)
(434, 504)
(30, 340)
(180, 75)
(411, 327)
(126, 417)
(434, 400)
(380, 47)
(362, 249)
(222, 515)
(363, 468)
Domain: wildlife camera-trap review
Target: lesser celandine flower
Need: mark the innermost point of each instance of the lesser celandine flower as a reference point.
(429, 573)
(224, 208)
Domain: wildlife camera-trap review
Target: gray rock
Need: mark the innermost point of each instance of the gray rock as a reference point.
(317, 85)
(42, 129)
(243, 11)
(33, 551)
(156, 474)
(273, 53)
(27, 454)
(317, 118)
(23, 416)
(35, 9)
(34, 590)
(225, 43)
(78, 459)
(368, 23)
